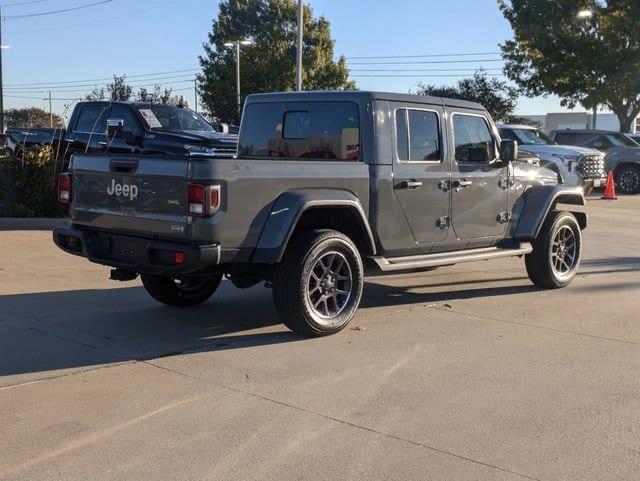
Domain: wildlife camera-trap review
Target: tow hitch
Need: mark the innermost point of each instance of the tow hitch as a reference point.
(123, 275)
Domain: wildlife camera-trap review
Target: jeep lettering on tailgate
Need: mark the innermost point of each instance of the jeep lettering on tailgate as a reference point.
(124, 190)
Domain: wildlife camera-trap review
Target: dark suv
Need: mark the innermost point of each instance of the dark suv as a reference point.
(325, 185)
(622, 154)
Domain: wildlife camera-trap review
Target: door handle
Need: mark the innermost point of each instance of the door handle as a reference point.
(461, 184)
(411, 184)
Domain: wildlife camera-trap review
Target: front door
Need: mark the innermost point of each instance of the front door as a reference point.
(421, 173)
(479, 181)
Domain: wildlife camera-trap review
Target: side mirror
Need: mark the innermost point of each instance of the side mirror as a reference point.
(115, 130)
(508, 150)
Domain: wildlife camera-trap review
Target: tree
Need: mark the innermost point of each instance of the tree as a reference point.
(119, 89)
(269, 64)
(495, 95)
(586, 59)
(31, 117)
(157, 96)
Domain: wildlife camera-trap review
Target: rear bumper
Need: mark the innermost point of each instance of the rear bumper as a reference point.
(135, 253)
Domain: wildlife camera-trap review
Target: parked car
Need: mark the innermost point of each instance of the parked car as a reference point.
(574, 165)
(622, 155)
(324, 185)
(634, 137)
(151, 129)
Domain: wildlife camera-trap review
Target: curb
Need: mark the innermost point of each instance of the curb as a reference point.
(19, 223)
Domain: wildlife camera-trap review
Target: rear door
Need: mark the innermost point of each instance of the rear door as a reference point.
(131, 194)
(421, 172)
(479, 184)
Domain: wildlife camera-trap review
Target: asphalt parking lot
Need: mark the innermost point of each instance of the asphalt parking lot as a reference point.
(463, 373)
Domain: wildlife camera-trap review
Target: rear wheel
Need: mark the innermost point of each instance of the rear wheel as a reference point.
(628, 179)
(556, 252)
(318, 285)
(180, 292)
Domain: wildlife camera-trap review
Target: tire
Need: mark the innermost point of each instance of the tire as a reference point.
(318, 285)
(186, 292)
(556, 252)
(628, 179)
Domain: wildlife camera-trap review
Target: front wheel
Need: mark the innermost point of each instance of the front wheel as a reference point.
(556, 252)
(180, 292)
(318, 285)
(628, 179)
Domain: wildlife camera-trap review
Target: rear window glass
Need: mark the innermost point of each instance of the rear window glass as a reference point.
(301, 130)
(92, 119)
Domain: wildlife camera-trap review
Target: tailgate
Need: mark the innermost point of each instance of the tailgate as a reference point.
(146, 195)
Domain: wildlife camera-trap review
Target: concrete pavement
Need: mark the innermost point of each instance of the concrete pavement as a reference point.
(463, 373)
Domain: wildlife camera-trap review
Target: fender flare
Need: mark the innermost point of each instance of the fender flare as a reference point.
(286, 212)
(538, 202)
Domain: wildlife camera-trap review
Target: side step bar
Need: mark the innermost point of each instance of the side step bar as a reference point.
(449, 258)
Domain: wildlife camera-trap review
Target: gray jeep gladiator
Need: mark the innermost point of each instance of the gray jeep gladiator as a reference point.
(326, 186)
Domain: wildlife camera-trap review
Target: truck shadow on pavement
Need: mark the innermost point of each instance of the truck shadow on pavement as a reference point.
(49, 331)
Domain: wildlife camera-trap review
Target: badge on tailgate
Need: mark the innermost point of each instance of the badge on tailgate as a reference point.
(123, 190)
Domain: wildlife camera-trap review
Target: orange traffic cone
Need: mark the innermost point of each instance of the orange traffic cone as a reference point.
(610, 188)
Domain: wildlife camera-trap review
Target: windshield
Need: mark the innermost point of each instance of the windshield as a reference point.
(619, 140)
(531, 137)
(167, 118)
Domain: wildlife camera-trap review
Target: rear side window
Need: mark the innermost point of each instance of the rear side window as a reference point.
(473, 139)
(301, 130)
(92, 119)
(417, 135)
(563, 138)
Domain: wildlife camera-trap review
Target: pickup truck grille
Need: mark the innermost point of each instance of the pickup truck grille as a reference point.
(591, 167)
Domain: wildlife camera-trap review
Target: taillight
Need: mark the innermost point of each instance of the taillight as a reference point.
(64, 188)
(203, 200)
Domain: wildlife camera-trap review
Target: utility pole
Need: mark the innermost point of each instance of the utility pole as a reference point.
(1, 83)
(300, 43)
(195, 93)
(238, 80)
(50, 111)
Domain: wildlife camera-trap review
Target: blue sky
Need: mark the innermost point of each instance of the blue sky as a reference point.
(137, 37)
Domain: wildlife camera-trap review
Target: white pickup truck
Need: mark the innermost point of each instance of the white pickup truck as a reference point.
(575, 166)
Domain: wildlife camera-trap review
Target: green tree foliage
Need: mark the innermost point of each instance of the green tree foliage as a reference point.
(496, 96)
(34, 177)
(589, 60)
(156, 96)
(269, 64)
(118, 90)
(31, 117)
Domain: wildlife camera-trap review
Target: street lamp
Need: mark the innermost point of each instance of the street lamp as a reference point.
(587, 14)
(237, 44)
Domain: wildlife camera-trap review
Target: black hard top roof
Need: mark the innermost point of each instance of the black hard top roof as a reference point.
(362, 96)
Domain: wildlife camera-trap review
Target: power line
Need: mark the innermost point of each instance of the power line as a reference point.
(417, 76)
(100, 20)
(91, 85)
(426, 55)
(18, 4)
(47, 84)
(420, 62)
(52, 12)
(426, 70)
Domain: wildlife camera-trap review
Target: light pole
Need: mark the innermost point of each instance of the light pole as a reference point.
(300, 43)
(587, 14)
(237, 44)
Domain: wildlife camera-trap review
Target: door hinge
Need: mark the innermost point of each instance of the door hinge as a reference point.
(444, 222)
(503, 217)
(504, 183)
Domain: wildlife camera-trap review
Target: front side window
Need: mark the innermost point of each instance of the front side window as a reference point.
(473, 139)
(92, 119)
(419, 140)
(124, 113)
(301, 130)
